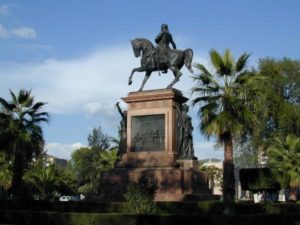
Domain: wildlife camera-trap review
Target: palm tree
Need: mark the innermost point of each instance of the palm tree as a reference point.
(5, 175)
(284, 161)
(226, 100)
(50, 181)
(21, 134)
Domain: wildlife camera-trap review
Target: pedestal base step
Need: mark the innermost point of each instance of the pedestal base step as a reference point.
(171, 184)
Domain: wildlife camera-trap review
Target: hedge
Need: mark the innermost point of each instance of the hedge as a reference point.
(177, 208)
(57, 206)
(50, 218)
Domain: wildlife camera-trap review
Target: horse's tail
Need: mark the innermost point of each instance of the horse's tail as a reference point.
(188, 57)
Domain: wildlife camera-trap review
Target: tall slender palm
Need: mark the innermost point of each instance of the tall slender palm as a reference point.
(284, 161)
(226, 100)
(21, 134)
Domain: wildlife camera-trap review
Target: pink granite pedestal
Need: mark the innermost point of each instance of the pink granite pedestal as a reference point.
(175, 179)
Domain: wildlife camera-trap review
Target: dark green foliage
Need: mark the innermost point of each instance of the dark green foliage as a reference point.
(164, 208)
(245, 155)
(49, 218)
(258, 179)
(280, 114)
(284, 161)
(81, 164)
(5, 175)
(49, 181)
(227, 100)
(87, 165)
(191, 208)
(21, 135)
(98, 140)
(140, 198)
(57, 206)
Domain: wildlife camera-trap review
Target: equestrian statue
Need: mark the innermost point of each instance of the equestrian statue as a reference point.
(160, 58)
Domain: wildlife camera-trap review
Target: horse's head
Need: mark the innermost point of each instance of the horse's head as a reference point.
(137, 47)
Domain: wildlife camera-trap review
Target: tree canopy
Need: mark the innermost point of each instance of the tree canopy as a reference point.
(226, 100)
(21, 134)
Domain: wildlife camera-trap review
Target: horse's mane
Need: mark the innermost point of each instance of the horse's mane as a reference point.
(145, 41)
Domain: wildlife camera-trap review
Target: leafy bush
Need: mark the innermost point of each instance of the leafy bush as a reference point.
(46, 218)
(48, 182)
(139, 198)
(258, 179)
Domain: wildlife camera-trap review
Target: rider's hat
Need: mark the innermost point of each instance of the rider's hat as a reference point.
(164, 26)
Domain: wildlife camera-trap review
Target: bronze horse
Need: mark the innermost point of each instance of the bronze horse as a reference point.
(151, 61)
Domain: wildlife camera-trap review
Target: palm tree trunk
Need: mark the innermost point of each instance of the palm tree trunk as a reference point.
(228, 178)
(18, 170)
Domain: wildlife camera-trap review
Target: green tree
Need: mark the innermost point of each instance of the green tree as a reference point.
(245, 155)
(214, 174)
(21, 134)
(98, 140)
(87, 165)
(227, 99)
(284, 161)
(81, 163)
(281, 114)
(5, 175)
(49, 182)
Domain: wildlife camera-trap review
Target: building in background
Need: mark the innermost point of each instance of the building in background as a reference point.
(56, 161)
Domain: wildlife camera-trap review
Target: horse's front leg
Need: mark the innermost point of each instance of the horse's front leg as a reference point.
(177, 75)
(147, 75)
(139, 69)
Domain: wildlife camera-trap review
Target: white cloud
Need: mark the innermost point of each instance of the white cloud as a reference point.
(3, 32)
(96, 108)
(61, 150)
(24, 32)
(4, 10)
(90, 84)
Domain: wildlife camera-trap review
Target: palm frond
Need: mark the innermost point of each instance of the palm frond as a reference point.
(6, 105)
(37, 106)
(241, 62)
(202, 69)
(13, 96)
(228, 62)
(216, 60)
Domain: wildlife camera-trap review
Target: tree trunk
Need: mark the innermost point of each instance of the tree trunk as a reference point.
(228, 178)
(18, 170)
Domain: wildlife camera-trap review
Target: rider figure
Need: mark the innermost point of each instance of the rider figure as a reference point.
(163, 39)
(123, 130)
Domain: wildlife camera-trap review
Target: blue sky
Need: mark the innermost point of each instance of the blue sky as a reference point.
(76, 55)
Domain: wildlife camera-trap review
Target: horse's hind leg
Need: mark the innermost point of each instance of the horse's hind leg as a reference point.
(147, 75)
(177, 75)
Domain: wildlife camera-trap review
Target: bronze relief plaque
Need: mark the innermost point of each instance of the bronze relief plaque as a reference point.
(148, 133)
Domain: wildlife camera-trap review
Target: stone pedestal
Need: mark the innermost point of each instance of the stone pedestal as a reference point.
(152, 151)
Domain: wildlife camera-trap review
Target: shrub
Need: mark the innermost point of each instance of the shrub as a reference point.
(46, 218)
(139, 198)
(258, 179)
